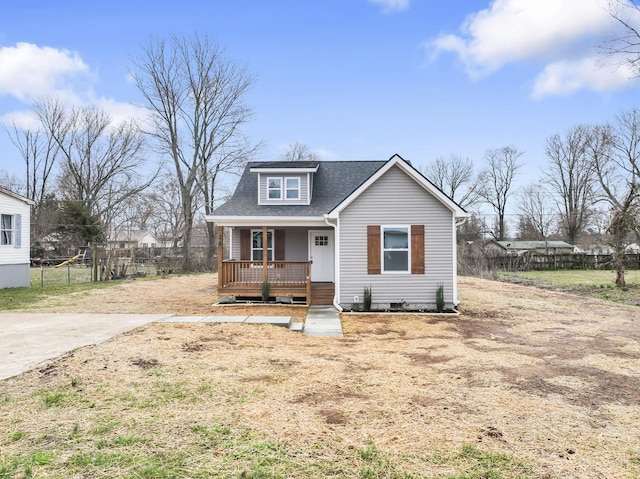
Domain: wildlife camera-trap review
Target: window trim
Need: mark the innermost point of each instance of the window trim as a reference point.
(287, 189)
(383, 249)
(11, 230)
(279, 189)
(272, 249)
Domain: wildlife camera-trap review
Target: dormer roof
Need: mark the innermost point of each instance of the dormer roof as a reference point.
(285, 166)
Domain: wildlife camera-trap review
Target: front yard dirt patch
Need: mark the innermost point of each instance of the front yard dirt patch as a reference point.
(548, 379)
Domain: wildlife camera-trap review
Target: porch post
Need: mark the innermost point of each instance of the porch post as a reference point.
(220, 254)
(265, 273)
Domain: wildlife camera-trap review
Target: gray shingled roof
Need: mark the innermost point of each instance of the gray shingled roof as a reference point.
(333, 182)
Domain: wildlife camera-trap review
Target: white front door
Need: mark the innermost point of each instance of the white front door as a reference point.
(321, 254)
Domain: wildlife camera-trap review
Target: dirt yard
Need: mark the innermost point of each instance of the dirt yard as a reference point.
(546, 378)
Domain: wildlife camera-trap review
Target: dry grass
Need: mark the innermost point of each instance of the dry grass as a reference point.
(524, 383)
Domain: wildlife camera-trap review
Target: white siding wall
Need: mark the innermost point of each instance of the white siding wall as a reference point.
(395, 199)
(304, 189)
(14, 262)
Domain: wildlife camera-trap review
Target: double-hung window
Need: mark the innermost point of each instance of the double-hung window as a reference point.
(292, 188)
(395, 250)
(274, 188)
(6, 229)
(257, 245)
(287, 188)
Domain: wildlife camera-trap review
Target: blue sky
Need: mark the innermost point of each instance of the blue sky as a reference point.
(353, 79)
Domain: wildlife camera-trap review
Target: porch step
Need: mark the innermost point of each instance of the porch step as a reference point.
(322, 293)
(298, 327)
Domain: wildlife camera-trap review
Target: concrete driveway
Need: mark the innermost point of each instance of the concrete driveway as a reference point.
(29, 339)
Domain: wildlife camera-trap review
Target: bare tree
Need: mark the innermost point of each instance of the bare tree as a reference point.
(167, 218)
(40, 153)
(298, 151)
(536, 215)
(456, 178)
(195, 97)
(229, 162)
(101, 162)
(615, 153)
(496, 181)
(12, 183)
(571, 178)
(625, 42)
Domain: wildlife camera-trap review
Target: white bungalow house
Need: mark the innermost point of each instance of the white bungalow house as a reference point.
(323, 231)
(15, 220)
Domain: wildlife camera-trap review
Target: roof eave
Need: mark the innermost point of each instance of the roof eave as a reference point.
(266, 220)
(397, 160)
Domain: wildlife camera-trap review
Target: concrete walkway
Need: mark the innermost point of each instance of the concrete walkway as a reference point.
(29, 339)
(323, 321)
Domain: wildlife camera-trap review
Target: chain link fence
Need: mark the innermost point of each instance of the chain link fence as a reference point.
(45, 276)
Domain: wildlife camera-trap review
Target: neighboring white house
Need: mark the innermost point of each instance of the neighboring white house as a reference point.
(124, 239)
(15, 220)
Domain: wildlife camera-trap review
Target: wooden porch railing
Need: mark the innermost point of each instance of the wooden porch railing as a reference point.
(251, 273)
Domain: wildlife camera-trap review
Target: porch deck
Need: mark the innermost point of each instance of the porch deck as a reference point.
(242, 278)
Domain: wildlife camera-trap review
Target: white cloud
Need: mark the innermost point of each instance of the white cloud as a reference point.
(514, 30)
(29, 71)
(558, 34)
(21, 119)
(120, 111)
(389, 6)
(568, 76)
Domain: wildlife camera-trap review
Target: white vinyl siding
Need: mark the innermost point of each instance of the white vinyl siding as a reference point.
(283, 189)
(395, 199)
(14, 257)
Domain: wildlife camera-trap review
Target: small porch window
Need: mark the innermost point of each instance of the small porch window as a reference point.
(257, 245)
(6, 229)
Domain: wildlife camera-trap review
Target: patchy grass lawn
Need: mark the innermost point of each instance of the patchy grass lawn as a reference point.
(593, 283)
(525, 383)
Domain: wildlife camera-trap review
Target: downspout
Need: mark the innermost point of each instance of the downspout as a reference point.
(336, 262)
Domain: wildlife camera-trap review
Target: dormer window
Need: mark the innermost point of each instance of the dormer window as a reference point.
(290, 191)
(293, 188)
(285, 182)
(274, 188)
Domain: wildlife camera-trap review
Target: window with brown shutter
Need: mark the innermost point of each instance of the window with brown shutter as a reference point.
(417, 249)
(245, 244)
(373, 249)
(279, 246)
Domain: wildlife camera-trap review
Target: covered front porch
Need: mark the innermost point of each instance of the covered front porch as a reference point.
(266, 261)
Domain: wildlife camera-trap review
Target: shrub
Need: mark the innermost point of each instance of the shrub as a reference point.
(440, 298)
(367, 298)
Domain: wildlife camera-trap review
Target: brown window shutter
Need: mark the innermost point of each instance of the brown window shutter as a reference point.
(373, 249)
(245, 244)
(417, 249)
(278, 245)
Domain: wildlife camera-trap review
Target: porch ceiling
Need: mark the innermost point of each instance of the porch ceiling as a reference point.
(311, 221)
